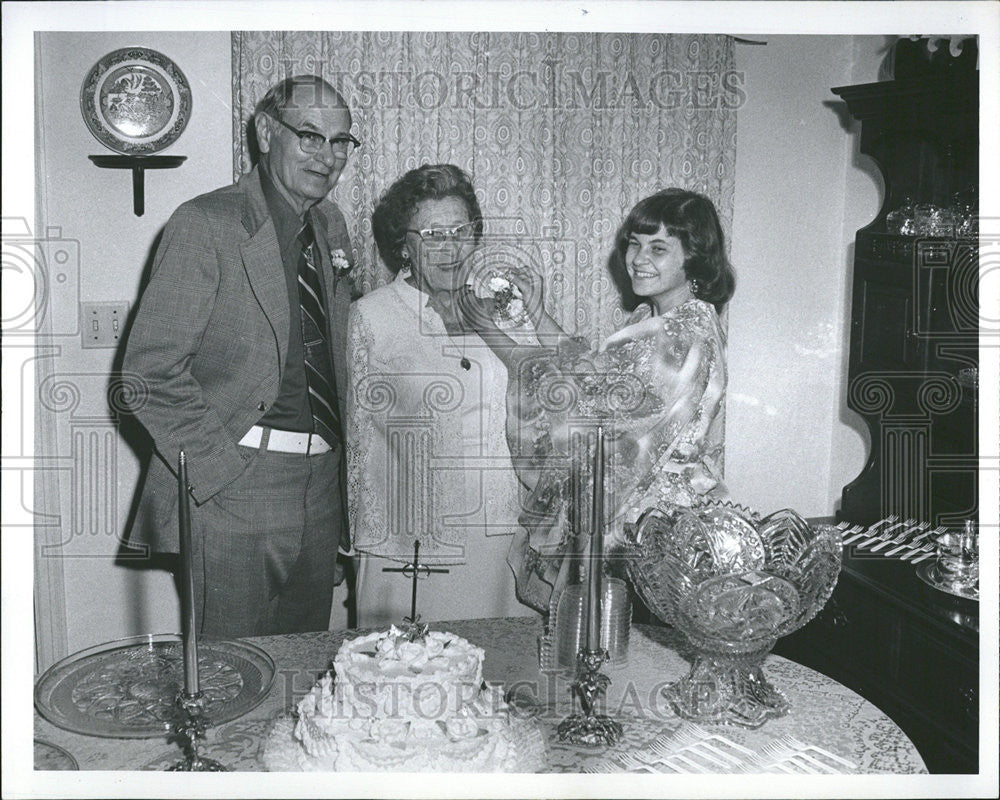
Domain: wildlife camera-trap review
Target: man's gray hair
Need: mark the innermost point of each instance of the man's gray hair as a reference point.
(280, 96)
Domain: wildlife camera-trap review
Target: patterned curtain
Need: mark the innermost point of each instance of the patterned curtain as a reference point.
(561, 132)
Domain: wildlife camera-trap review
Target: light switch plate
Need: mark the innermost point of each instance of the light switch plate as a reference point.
(102, 324)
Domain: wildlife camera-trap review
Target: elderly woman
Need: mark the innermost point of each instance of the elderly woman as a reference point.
(426, 452)
(657, 386)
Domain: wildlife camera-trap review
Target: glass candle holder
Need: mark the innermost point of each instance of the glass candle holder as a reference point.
(570, 631)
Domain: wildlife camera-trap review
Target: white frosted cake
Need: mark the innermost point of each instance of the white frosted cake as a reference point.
(405, 701)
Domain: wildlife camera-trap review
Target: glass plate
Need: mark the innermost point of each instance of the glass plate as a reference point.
(127, 688)
(136, 101)
(52, 757)
(929, 574)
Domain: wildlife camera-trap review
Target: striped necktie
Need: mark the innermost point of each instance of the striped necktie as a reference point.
(316, 354)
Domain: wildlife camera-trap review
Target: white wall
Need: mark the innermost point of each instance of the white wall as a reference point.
(94, 207)
(801, 193)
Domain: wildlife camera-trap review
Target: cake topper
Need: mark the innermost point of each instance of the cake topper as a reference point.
(412, 571)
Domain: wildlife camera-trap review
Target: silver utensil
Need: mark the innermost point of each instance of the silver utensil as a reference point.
(634, 764)
(899, 538)
(781, 755)
(691, 741)
(811, 747)
(870, 533)
(848, 532)
(927, 548)
(916, 529)
(880, 535)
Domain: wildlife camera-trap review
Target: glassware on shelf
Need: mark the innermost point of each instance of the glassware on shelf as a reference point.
(732, 584)
(967, 226)
(900, 220)
(959, 218)
(958, 556)
(966, 208)
(933, 220)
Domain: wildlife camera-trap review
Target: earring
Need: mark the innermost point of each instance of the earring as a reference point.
(695, 286)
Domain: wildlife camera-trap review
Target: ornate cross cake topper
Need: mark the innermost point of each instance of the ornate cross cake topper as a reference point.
(412, 570)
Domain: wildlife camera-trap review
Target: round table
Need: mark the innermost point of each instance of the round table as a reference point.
(823, 713)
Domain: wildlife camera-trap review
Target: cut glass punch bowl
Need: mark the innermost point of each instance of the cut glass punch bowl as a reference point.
(732, 583)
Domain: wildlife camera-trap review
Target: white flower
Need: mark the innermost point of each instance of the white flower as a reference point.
(508, 302)
(341, 264)
(498, 284)
(461, 728)
(435, 647)
(391, 731)
(413, 654)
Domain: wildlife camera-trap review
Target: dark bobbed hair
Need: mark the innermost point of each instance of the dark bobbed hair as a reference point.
(399, 202)
(280, 96)
(692, 218)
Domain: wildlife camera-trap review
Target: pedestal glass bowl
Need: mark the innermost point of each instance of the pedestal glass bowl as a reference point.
(732, 584)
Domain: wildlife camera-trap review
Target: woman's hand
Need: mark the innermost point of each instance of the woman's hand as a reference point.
(530, 285)
(548, 332)
(474, 314)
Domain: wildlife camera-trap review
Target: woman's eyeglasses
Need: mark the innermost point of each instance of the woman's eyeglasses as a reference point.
(343, 144)
(439, 235)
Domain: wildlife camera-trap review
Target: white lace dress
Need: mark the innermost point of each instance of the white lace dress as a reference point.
(427, 459)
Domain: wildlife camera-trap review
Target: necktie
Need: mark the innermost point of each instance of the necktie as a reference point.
(316, 353)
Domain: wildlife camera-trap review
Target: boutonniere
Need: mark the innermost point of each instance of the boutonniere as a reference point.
(341, 264)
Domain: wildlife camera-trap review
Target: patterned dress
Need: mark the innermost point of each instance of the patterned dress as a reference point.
(657, 387)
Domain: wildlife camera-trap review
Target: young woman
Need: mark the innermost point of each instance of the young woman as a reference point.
(657, 386)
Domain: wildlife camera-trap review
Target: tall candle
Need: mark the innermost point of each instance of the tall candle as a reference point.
(595, 578)
(413, 590)
(188, 626)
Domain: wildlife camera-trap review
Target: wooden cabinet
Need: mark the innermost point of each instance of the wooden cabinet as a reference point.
(907, 648)
(914, 309)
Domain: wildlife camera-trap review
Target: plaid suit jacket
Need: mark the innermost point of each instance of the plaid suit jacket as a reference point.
(209, 340)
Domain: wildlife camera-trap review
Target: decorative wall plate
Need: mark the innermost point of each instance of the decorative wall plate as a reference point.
(136, 101)
(127, 688)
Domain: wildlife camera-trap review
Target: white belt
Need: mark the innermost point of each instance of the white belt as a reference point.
(287, 441)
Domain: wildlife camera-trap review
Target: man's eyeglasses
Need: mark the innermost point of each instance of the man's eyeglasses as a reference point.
(343, 144)
(438, 235)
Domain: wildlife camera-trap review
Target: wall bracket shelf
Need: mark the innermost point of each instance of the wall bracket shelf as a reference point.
(138, 165)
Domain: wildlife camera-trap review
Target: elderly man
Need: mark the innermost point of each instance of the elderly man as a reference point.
(240, 338)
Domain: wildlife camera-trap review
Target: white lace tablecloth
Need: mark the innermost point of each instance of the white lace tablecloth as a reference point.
(823, 712)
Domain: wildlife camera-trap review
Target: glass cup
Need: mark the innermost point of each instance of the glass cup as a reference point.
(900, 220)
(932, 220)
(958, 556)
(570, 631)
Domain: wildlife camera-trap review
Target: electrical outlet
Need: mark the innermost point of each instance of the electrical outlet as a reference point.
(102, 324)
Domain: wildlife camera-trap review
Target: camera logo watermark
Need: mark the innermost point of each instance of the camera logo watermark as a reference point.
(39, 274)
